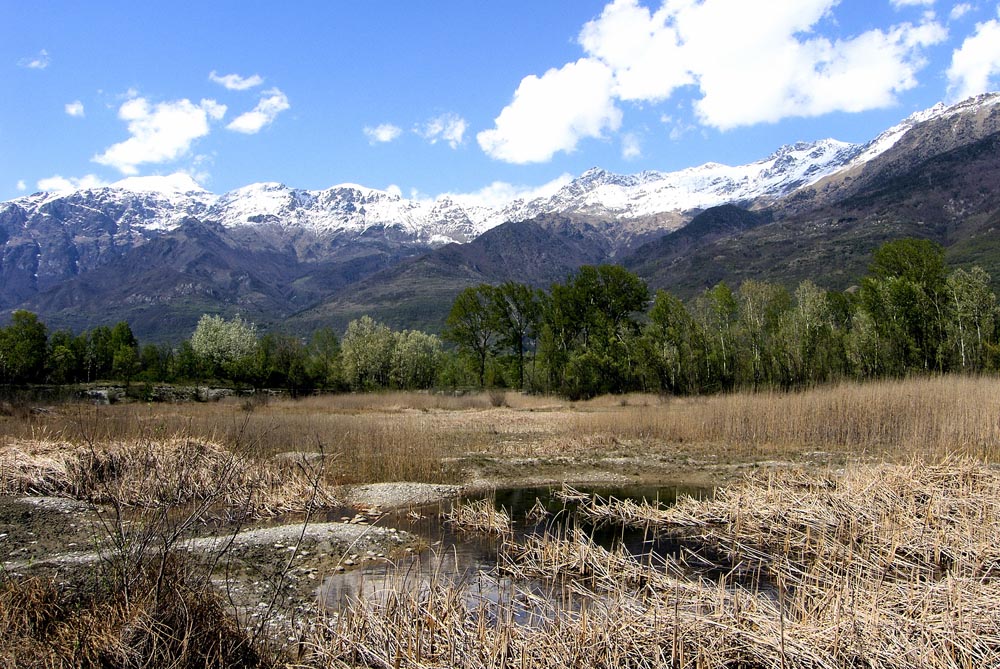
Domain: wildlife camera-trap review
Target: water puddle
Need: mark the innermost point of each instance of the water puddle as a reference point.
(472, 560)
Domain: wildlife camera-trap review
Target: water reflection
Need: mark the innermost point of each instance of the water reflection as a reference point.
(472, 561)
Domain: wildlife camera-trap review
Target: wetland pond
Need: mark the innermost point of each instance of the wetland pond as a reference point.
(473, 560)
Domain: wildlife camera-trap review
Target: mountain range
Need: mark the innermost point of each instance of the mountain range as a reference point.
(160, 251)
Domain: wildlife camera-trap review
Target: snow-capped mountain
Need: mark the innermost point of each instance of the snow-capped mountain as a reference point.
(158, 203)
(60, 250)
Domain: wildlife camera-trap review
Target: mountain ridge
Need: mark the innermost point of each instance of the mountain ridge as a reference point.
(315, 245)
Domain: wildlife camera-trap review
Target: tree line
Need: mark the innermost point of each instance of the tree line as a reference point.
(369, 356)
(600, 331)
(603, 332)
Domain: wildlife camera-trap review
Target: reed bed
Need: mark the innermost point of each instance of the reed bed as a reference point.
(165, 618)
(897, 419)
(877, 566)
(163, 474)
(479, 516)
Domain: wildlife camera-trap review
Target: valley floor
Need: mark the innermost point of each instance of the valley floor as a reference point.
(108, 502)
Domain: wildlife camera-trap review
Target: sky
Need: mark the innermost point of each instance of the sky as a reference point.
(494, 100)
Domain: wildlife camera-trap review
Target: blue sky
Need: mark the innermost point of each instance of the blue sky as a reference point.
(462, 97)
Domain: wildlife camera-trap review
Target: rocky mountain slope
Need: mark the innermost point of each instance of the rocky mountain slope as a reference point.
(162, 250)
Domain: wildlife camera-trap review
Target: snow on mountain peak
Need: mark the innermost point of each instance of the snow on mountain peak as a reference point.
(160, 202)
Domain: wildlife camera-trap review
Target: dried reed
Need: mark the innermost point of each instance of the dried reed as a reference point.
(479, 516)
(880, 566)
(161, 474)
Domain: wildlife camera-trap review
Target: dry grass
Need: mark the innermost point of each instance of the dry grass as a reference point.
(890, 566)
(931, 417)
(161, 474)
(479, 516)
(442, 438)
(165, 620)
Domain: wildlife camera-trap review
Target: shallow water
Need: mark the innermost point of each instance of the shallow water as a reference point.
(471, 559)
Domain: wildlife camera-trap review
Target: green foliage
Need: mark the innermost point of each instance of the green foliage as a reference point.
(594, 333)
(473, 325)
(23, 347)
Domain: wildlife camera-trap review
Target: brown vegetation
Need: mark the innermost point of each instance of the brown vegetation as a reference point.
(888, 566)
(861, 530)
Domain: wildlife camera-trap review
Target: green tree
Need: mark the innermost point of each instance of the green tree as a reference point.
(66, 356)
(416, 357)
(717, 313)
(972, 312)
(367, 351)
(905, 295)
(674, 344)
(591, 331)
(761, 306)
(100, 353)
(23, 349)
(323, 364)
(472, 325)
(517, 311)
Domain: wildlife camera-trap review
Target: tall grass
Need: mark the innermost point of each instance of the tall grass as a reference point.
(437, 438)
(932, 417)
(889, 566)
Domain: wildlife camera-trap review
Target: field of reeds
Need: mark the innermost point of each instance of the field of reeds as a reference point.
(453, 439)
(877, 566)
(855, 526)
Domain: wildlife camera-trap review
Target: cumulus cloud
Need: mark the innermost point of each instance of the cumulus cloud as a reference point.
(272, 103)
(748, 62)
(976, 63)
(235, 82)
(39, 62)
(60, 184)
(159, 132)
(382, 133)
(553, 113)
(898, 4)
(21, 185)
(959, 10)
(500, 193)
(641, 48)
(446, 127)
(74, 108)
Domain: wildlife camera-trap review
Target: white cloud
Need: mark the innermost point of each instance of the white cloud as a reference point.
(631, 146)
(501, 193)
(749, 61)
(159, 133)
(959, 10)
(235, 82)
(911, 3)
(39, 62)
(393, 189)
(21, 185)
(61, 184)
(640, 47)
(74, 108)
(553, 113)
(446, 127)
(765, 80)
(976, 64)
(382, 133)
(270, 105)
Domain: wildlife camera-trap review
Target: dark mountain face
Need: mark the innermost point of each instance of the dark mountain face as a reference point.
(161, 260)
(418, 292)
(952, 198)
(163, 285)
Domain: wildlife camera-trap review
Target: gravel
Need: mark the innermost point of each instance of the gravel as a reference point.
(400, 494)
